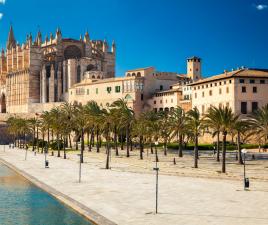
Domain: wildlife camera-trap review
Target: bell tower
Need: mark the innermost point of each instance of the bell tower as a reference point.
(194, 68)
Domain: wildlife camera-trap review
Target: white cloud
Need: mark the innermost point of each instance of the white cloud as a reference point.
(1, 15)
(258, 7)
(2, 1)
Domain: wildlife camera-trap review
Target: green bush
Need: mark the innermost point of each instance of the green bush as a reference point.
(54, 145)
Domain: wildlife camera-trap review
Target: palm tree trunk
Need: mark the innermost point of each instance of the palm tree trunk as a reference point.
(218, 147)
(97, 144)
(121, 140)
(180, 146)
(91, 138)
(107, 149)
(88, 140)
(64, 147)
(37, 138)
(43, 140)
(151, 146)
(224, 152)
(165, 147)
(127, 140)
(196, 151)
(115, 142)
(70, 141)
(58, 144)
(141, 147)
(82, 145)
(240, 161)
(33, 139)
(48, 138)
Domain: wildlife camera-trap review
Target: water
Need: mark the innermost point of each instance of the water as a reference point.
(22, 203)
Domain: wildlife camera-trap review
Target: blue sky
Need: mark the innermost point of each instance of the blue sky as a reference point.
(161, 33)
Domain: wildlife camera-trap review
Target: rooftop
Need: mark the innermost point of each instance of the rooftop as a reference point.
(247, 72)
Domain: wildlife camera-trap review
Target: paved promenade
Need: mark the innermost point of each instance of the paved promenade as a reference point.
(128, 197)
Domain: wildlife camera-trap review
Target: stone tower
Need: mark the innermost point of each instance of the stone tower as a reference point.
(194, 68)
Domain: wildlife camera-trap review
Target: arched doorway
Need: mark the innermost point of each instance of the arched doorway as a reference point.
(3, 103)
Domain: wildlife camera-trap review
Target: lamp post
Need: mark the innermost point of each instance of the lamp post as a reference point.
(79, 180)
(46, 161)
(246, 180)
(156, 187)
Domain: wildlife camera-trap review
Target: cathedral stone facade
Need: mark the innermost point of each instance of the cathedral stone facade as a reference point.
(37, 75)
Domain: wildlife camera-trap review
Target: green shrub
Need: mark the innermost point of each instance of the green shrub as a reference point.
(54, 145)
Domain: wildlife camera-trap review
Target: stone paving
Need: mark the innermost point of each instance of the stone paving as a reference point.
(129, 197)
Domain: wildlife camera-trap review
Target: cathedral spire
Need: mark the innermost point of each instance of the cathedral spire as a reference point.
(113, 50)
(86, 37)
(11, 42)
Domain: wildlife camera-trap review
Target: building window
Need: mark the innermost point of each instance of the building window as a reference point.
(254, 106)
(109, 89)
(220, 83)
(203, 94)
(207, 86)
(117, 89)
(220, 91)
(210, 92)
(97, 91)
(141, 97)
(195, 95)
(241, 81)
(161, 101)
(254, 89)
(224, 82)
(244, 107)
(262, 81)
(161, 87)
(252, 81)
(215, 84)
(230, 81)
(210, 85)
(244, 89)
(171, 100)
(202, 86)
(154, 102)
(227, 90)
(203, 109)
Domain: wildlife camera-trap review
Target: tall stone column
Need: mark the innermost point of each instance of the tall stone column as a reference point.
(44, 85)
(64, 76)
(59, 81)
(52, 84)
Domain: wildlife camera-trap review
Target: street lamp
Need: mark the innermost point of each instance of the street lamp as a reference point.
(156, 169)
(246, 180)
(46, 161)
(79, 167)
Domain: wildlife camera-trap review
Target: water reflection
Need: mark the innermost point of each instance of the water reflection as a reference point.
(23, 203)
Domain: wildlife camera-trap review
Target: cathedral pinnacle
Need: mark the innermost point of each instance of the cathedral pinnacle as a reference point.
(11, 42)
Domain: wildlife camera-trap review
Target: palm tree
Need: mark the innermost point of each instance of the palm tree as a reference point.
(165, 128)
(126, 120)
(194, 122)
(56, 122)
(94, 116)
(213, 121)
(240, 127)
(81, 124)
(179, 126)
(227, 119)
(259, 123)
